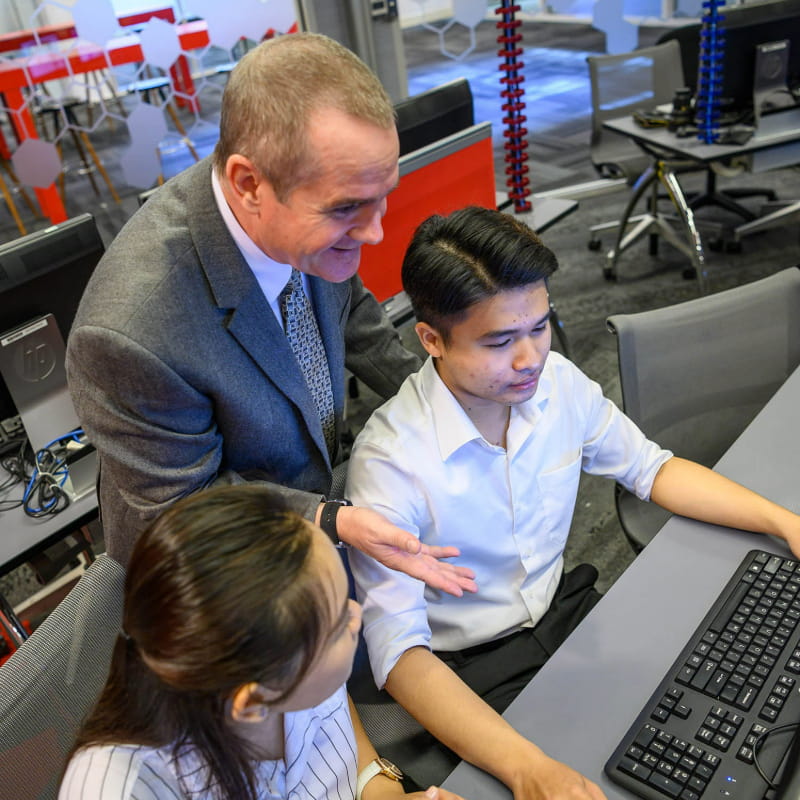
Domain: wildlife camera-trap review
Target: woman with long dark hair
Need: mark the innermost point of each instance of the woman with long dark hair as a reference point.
(228, 677)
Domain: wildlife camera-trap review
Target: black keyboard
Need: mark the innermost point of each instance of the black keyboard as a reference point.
(728, 704)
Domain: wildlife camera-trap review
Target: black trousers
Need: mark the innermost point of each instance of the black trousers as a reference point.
(497, 671)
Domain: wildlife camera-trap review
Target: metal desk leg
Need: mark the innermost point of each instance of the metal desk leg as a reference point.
(654, 223)
(694, 249)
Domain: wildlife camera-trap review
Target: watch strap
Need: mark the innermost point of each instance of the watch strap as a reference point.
(327, 518)
(378, 766)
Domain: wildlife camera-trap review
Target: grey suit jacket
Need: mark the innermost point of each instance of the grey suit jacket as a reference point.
(182, 376)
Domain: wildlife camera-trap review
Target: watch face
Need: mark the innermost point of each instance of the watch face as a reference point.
(390, 770)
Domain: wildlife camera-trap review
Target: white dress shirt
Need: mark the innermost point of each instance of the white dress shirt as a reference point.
(320, 763)
(271, 275)
(422, 463)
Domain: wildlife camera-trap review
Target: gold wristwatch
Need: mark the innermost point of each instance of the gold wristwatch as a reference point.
(378, 766)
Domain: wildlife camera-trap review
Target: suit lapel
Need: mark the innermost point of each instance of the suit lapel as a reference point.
(249, 319)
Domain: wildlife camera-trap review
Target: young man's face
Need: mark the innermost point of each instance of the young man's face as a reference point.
(495, 355)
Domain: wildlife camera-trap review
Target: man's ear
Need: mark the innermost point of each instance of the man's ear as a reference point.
(246, 183)
(250, 702)
(430, 339)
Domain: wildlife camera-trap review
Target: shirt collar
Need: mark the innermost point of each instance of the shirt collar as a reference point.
(452, 425)
(271, 275)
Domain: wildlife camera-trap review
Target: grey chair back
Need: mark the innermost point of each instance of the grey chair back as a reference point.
(51, 682)
(694, 375)
(622, 83)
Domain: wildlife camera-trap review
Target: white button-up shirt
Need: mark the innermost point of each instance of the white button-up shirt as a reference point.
(320, 762)
(422, 463)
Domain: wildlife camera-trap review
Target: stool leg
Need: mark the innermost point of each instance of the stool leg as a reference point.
(99, 164)
(12, 206)
(82, 154)
(20, 188)
(60, 181)
(182, 131)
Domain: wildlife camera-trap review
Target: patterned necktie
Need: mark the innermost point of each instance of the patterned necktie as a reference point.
(306, 343)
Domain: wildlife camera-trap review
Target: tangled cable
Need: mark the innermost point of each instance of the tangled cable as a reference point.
(44, 493)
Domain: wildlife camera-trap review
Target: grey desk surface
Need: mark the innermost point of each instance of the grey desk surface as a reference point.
(21, 535)
(778, 130)
(582, 702)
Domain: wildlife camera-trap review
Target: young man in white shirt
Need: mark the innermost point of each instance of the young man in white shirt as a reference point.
(483, 448)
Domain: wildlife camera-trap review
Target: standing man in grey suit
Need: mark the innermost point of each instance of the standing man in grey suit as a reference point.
(179, 361)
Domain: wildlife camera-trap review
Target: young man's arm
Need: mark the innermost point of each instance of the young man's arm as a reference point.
(695, 491)
(432, 693)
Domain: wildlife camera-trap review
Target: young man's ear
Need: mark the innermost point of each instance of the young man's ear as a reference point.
(250, 702)
(430, 339)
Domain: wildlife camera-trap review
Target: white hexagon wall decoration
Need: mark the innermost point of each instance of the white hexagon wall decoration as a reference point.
(469, 12)
(36, 163)
(140, 164)
(251, 20)
(146, 123)
(442, 32)
(160, 43)
(95, 21)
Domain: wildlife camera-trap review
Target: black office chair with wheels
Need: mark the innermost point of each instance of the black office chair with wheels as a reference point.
(53, 679)
(695, 374)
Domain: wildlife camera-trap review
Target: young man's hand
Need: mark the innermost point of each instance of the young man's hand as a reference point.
(397, 549)
(545, 778)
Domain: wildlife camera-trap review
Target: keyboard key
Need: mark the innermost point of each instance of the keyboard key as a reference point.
(703, 675)
(631, 767)
(664, 784)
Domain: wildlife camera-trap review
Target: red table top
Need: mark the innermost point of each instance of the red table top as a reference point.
(18, 72)
(20, 40)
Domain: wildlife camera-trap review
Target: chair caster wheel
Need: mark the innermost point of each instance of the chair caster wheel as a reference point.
(609, 274)
(733, 247)
(689, 274)
(594, 244)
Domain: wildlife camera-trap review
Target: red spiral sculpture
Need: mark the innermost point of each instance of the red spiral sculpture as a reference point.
(513, 94)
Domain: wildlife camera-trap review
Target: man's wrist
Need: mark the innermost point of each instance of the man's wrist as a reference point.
(327, 518)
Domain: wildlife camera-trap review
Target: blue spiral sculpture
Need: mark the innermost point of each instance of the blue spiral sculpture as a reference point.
(710, 71)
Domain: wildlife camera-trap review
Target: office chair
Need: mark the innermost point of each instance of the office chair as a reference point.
(621, 84)
(53, 679)
(695, 374)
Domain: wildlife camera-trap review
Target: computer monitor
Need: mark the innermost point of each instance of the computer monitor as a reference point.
(450, 173)
(44, 273)
(434, 114)
(745, 27)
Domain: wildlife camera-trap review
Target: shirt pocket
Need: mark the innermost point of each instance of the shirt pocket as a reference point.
(558, 491)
